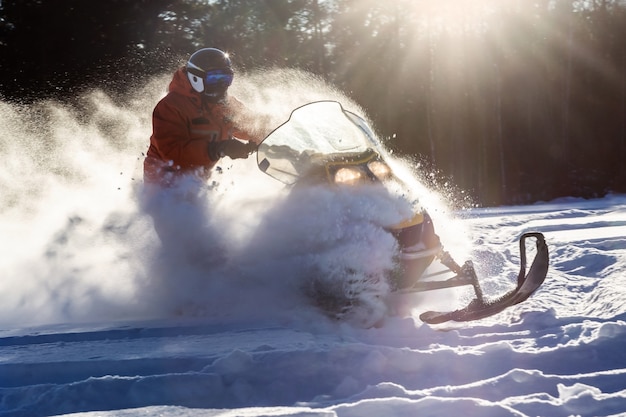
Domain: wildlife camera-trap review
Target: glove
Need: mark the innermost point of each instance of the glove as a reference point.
(231, 148)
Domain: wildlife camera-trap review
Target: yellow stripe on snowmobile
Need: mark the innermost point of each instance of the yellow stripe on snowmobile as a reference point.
(416, 219)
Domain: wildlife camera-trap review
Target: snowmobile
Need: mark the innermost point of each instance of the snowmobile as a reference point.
(323, 143)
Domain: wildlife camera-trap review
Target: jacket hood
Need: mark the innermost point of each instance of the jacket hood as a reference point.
(180, 85)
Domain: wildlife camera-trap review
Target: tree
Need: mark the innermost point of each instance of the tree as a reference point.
(53, 47)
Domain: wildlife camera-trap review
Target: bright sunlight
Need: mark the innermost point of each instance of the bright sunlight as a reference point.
(455, 16)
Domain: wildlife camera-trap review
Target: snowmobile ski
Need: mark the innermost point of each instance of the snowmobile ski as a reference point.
(479, 308)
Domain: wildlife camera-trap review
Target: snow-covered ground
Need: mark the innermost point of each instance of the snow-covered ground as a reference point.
(97, 319)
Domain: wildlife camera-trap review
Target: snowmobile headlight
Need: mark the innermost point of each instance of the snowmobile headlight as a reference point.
(380, 169)
(349, 175)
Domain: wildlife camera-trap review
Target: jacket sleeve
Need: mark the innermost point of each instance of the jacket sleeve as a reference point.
(238, 108)
(243, 135)
(171, 137)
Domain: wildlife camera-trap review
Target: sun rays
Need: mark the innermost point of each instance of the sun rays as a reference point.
(454, 16)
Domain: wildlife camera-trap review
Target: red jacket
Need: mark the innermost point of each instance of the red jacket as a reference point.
(183, 124)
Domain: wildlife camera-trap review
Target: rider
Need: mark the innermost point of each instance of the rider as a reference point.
(193, 124)
(193, 128)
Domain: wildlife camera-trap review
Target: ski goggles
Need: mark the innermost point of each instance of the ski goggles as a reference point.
(218, 77)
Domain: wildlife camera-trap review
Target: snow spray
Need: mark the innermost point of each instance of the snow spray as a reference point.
(78, 245)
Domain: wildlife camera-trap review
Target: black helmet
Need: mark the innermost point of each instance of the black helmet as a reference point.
(209, 71)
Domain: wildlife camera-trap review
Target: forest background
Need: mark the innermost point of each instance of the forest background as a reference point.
(513, 101)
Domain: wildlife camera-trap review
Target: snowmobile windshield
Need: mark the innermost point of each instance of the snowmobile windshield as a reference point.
(315, 133)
